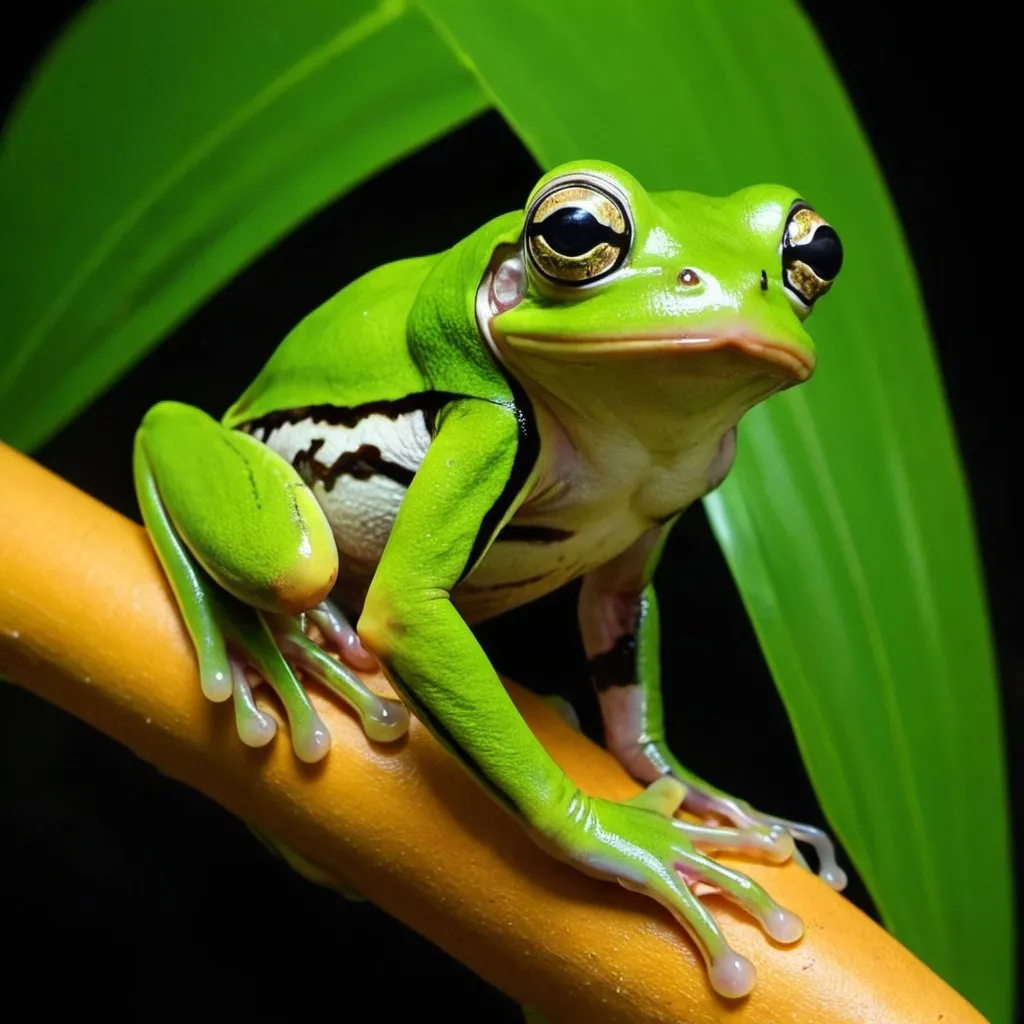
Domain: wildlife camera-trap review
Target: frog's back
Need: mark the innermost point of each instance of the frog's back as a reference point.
(351, 351)
(343, 400)
(351, 396)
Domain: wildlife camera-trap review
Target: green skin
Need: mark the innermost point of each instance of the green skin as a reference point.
(452, 436)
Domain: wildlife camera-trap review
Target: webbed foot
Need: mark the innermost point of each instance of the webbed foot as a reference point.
(641, 845)
(247, 550)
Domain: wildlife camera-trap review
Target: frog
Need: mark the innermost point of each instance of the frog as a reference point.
(453, 436)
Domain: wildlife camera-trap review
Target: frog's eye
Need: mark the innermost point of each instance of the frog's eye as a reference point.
(811, 255)
(577, 232)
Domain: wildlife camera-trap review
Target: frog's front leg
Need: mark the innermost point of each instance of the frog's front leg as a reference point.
(618, 615)
(457, 501)
(247, 550)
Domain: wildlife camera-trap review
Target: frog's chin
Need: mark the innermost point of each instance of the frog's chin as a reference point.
(786, 360)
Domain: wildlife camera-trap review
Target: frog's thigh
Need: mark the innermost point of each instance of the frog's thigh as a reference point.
(243, 511)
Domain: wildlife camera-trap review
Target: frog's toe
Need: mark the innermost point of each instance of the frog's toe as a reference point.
(311, 740)
(275, 646)
(382, 718)
(834, 876)
(644, 847)
(255, 727)
(773, 845)
(215, 679)
(705, 801)
(342, 635)
(732, 974)
(828, 868)
(781, 924)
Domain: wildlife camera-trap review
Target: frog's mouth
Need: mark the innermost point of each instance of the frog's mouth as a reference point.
(788, 361)
(794, 363)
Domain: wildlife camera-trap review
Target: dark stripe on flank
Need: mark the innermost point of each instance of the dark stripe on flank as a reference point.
(533, 534)
(450, 743)
(616, 667)
(525, 458)
(509, 585)
(429, 402)
(366, 461)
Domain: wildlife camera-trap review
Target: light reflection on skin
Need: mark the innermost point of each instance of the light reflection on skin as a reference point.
(709, 296)
(661, 243)
(766, 220)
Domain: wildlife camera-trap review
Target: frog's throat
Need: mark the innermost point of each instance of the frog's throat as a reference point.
(793, 363)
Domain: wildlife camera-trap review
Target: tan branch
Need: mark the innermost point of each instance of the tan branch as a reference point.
(87, 622)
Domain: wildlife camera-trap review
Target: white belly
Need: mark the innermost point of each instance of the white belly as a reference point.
(359, 475)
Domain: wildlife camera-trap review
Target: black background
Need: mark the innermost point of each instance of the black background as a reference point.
(110, 867)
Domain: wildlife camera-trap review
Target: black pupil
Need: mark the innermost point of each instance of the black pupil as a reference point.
(823, 253)
(574, 231)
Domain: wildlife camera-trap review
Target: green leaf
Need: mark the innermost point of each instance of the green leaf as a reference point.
(845, 520)
(164, 144)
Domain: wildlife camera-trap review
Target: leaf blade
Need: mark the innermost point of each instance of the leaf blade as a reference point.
(215, 134)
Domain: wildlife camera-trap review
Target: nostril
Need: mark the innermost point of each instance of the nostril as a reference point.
(688, 277)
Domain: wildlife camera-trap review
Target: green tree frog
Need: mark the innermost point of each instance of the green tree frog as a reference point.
(452, 436)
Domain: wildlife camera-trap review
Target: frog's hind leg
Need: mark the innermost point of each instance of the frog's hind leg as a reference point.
(190, 587)
(619, 624)
(209, 619)
(246, 549)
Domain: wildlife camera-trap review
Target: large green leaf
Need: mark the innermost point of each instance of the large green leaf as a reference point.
(845, 520)
(164, 144)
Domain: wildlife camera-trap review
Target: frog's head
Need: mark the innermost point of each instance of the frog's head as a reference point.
(605, 272)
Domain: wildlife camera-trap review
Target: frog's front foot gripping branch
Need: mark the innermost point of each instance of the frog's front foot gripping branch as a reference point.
(643, 846)
(247, 606)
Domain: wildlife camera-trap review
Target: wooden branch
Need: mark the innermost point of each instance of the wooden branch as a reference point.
(87, 622)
